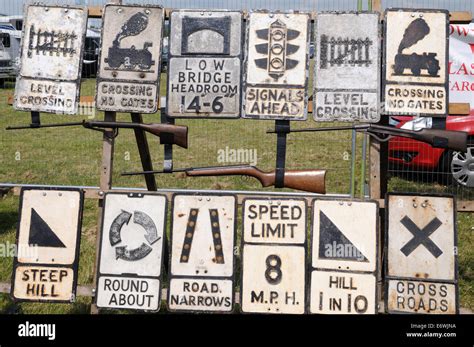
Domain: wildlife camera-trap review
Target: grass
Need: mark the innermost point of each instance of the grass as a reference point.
(71, 156)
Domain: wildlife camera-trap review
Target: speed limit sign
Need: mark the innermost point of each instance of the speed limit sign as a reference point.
(274, 257)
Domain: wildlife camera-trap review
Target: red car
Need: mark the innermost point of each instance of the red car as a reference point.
(418, 156)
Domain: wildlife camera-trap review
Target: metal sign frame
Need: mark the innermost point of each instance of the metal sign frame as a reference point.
(270, 244)
(245, 85)
(74, 266)
(375, 273)
(384, 81)
(240, 56)
(76, 82)
(155, 83)
(131, 275)
(387, 277)
(234, 263)
(348, 90)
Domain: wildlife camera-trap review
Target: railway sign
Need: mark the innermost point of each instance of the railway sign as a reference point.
(347, 67)
(415, 77)
(131, 251)
(204, 64)
(273, 256)
(130, 58)
(276, 66)
(202, 253)
(51, 59)
(421, 268)
(45, 267)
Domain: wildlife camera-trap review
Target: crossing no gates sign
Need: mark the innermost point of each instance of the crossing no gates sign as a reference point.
(45, 267)
(131, 251)
(421, 267)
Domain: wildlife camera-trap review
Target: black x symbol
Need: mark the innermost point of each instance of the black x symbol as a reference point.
(421, 237)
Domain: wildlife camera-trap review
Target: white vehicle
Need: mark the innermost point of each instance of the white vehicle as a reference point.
(9, 52)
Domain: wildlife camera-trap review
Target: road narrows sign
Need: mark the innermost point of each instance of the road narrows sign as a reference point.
(51, 59)
(347, 67)
(276, 66)
(130, 58)
(344, 240)
(204, 78)
(202, 253)
(415, 77)
(48, 237)
(273, 256)
(421, 267)
(131, 251)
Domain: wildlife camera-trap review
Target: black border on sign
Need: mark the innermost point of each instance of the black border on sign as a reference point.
(304, 245)
(379, 52)
(75, 264)
(387, 278)
(76, 82)
(155, 83)
(245, 68)
(384, 66)
(130, 275)
(239, 56)
(374, 273)
(234, 264)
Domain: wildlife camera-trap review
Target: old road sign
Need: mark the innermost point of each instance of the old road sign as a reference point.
(45, 267)
(344, 239)
(273, 256)
(347, 67)
(205, 64)
(131, 251)
(130, 59)
(415, 77)
(276, 67)
(202, 253)
(421, 251)
(51, 59)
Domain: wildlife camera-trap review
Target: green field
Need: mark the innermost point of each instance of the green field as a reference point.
(71, 156)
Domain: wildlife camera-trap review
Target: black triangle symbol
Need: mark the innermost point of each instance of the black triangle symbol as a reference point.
(41, 234)
(333, 244)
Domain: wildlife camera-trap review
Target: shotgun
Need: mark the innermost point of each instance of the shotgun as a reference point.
(177, 133)
(307, 180)
(454, 140)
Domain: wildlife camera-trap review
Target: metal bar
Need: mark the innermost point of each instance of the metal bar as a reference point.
(363, 166)
(353, 162)
(144, 151)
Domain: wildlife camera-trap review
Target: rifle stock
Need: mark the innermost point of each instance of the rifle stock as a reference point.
(179, 132)
(455, 140)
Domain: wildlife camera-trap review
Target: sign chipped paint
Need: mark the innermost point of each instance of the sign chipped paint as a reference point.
(415, 79)
(276, 67)
(347, 67)
(51, 59)
(130, 58)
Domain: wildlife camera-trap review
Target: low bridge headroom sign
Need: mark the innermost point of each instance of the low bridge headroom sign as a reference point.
(421, 268)
(131, 251)
(51, 59)
(48, 238)
(204, 77)
(130, 58)
(415, 77)
(276, 66)
(347, 67)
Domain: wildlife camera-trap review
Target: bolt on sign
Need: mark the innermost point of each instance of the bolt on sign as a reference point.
(130, 58)
(415, 76)
(202, 253)
(273, 256)
(276, 66)
(204, 64)
(131, 251)
(48, 238)
(344, 257)
(347, 67)
(421, 251)
(51, 59)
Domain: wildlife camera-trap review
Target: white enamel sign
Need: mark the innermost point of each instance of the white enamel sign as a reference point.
(51, 59)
